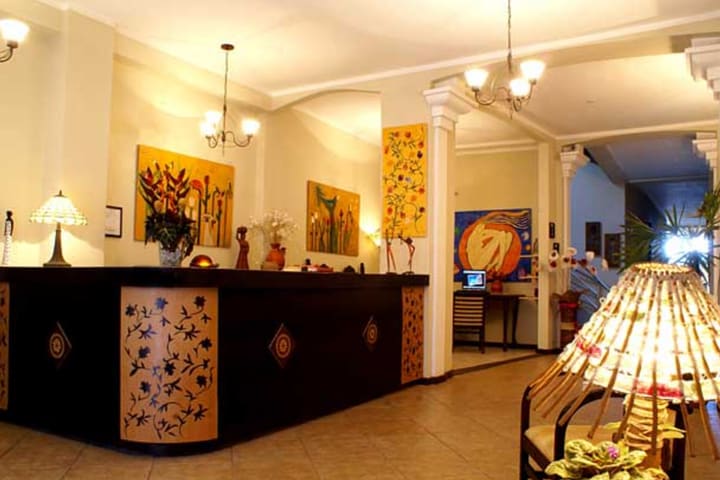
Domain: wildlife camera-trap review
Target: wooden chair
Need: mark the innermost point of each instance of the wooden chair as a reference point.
(469, 315)
(541, 444)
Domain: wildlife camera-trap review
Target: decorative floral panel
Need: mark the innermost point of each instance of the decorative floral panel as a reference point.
(168, 364)
(4, 343)
(412, 334)
(404, 181)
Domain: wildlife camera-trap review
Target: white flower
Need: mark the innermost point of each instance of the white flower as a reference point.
(275, 226)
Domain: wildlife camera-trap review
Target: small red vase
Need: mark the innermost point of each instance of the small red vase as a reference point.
(276, 255)
(496, 286)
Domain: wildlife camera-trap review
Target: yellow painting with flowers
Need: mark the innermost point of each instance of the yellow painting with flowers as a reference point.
(404, 181)
(208, 201)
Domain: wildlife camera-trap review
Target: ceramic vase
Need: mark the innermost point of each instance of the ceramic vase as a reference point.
(276, 255)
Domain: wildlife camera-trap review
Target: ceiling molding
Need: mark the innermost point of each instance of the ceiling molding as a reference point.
(671, 127)
(504, 146)
(498, 55)
(66, 7)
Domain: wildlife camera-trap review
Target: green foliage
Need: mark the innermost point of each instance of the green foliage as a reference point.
(605, 461)
(165, 199)
(645, 243)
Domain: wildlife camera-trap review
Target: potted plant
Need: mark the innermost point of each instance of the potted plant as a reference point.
(605, 461)
(644, 242)
(166, 222)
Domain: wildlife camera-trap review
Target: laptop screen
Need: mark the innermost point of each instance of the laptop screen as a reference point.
(473, 280)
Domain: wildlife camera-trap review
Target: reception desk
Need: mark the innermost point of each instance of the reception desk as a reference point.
(178, 360)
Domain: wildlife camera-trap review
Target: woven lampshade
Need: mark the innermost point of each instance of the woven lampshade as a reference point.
(656, 338)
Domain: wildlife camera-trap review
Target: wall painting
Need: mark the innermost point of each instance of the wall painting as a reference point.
(333, 220)
(498, 241)
(209, 203)
(404, 181)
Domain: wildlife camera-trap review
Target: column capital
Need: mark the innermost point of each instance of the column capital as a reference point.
(446, 104)
(572, 159)
(705, 145)
(703, 58)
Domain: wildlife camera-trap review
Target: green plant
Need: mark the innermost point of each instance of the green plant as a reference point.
(165, 197)
(605, 461)
(644, 242)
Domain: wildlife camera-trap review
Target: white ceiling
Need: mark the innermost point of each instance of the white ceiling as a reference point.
(614, 66)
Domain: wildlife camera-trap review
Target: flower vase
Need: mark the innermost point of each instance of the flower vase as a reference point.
(276, 255)
(170, 258)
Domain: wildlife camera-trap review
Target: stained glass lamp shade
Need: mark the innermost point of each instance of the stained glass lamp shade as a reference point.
(655, 338)
(61, 211)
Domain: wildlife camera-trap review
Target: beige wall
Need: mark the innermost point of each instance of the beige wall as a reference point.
(299, 148)
(494, 181)
(54, 130)
(152, 108)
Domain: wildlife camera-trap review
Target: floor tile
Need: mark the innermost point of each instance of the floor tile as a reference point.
(464, 428)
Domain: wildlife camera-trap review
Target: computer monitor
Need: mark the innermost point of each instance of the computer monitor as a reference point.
(474, 280)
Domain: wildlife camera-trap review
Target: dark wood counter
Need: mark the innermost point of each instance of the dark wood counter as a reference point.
(176, 360)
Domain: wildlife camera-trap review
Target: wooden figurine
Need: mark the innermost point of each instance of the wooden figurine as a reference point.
(242, 260)
(7, 246)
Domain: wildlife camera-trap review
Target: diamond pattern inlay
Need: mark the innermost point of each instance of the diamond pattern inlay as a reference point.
(370, 333)
(59, 345)
(282, 346)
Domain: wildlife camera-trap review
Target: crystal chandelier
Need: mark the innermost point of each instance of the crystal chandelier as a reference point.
(519, 89)
(214, 127)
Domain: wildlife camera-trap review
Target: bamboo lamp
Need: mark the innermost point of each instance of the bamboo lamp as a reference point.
(655, 338)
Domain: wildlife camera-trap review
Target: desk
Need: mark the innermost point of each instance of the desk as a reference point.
(510, 304)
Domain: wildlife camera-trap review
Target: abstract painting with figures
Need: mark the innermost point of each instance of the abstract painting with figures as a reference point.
(497, 241)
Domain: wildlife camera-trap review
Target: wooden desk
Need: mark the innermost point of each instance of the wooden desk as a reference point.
(510, 304)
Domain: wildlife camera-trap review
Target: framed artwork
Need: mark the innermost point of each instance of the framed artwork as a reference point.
(333, 220)
(113, 221)
(612, 249)
(593, 238)
(497, 241)
(404, 177)
(209, 202)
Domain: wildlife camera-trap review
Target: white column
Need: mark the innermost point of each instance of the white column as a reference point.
(706, 145)
(546, 331)
(703, 58)
(446, 103)
(571, 159)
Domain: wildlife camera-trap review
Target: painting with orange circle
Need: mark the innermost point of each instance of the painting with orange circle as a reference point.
(497, 241)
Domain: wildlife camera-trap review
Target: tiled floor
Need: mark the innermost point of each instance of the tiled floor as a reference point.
(464, 428)
(466, 357)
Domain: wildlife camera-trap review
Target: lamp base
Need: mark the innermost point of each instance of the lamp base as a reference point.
(57, 259)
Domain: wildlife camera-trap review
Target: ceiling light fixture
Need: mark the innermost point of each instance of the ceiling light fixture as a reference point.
(14, 32)
(214, 127)
(519, 89)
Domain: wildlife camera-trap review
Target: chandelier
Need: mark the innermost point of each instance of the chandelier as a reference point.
(214, 127)
(14, 32)
(518, 90)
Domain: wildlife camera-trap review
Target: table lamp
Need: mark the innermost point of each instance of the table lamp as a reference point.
(60, 210)
(656, 339)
